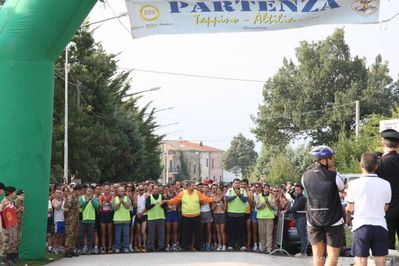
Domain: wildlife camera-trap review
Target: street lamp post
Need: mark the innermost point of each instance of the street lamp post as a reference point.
(66, 116)
(164, 109)
(139, 92)
(167, 125)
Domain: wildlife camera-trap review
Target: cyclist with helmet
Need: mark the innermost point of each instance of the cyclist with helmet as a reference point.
(324, 209)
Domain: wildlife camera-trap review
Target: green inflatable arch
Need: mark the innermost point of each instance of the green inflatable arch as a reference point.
(32, 35)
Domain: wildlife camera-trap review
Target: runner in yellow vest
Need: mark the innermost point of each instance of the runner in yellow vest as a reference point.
(244, 184)
(191, 199)
(88, 205)
(121, 205)
(156, 219)
(236, 199)
(265, 215)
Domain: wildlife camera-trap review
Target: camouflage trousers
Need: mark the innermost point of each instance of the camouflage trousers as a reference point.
(2, 241)
(11, 236)
(71, 235)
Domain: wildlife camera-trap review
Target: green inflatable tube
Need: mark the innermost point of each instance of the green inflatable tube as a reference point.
(33, 33)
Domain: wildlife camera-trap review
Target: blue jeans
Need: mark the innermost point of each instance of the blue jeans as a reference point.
(302, 233)
(122, 233)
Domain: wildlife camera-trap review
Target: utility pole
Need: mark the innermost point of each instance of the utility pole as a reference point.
(66, 117)
(357, 120)
(78, 93)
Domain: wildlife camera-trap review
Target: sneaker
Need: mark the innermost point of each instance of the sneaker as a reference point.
(96, 250)
(110, 251)
(208, 247)
(102, 250)
(243, 249)
(126, 250)
(68, 255)
(224, 248)
(255, 248)
(117, 251)
(219, 248)
(230, 249)
(301, 255)
(167, 248)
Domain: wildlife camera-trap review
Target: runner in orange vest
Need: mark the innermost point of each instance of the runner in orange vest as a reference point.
(191, 199)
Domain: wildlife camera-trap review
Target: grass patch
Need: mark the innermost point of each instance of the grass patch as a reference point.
(49, 257)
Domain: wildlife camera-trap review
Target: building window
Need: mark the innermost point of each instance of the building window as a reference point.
(170, 164)
(213, 163)
(195, 169)
(207, 162)
(189, 167)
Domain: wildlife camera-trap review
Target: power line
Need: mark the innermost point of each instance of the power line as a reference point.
(117, 17)
(192, 75)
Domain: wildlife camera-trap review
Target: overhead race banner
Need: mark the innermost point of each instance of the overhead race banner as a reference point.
(149, 17)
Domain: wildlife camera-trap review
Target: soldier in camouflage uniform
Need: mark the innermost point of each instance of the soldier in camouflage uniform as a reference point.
(11, 234)
(71, 209)
(19, 205)
(2, 236)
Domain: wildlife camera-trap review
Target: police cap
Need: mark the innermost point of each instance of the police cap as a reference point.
(390, 134)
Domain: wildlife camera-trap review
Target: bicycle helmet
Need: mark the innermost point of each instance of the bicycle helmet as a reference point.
(321, 152)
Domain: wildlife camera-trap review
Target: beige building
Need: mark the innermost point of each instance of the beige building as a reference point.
(200, 161)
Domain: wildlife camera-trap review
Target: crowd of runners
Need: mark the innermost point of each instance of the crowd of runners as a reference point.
(145, 217)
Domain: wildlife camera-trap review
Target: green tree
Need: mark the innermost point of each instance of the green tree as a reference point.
(241, 156)
(271, 161)
(348, 150)
(316, 96)
(110, 138)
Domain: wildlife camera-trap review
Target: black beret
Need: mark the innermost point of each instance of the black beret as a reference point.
(390, 134)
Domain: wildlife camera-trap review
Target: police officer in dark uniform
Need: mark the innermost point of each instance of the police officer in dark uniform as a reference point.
(324, 209)
(388, 169)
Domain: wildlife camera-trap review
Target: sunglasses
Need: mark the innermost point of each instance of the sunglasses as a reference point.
(141, 189)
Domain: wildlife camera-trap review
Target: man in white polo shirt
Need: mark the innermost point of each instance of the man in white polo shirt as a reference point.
(369, 197)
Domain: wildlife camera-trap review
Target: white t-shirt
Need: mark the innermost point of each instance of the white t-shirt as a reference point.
(369, 193)
(141, 203)
(59, 214)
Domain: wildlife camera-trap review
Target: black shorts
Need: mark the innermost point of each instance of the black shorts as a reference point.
(247, 216)
(141, 220)
(50, 226)
(105, 217)
(369, 237)
(333, 236)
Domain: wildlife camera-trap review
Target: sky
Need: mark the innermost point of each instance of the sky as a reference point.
(213, 110)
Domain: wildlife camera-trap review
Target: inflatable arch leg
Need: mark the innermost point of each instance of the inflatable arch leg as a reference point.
(32, 35)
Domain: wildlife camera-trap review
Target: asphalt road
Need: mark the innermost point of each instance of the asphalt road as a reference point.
(190, 259)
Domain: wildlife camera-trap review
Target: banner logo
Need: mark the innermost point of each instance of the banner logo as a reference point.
(149, 13)
(366, 7)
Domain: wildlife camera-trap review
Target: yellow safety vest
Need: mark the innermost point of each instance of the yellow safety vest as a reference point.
(190, 203)
(236, 205)
(156, 212)
(122, 214)
(266, 212)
